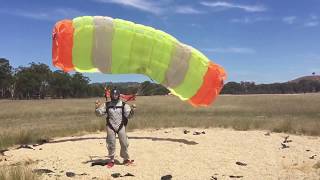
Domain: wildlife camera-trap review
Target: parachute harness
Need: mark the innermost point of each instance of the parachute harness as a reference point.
(124, 120)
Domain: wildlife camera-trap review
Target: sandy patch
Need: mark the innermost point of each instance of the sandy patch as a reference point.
(184, 156)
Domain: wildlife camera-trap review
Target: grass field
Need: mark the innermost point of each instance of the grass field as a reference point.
(17, 173)
(28, 121)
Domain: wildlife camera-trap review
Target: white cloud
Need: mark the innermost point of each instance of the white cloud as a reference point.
(314, 17)
(311, 24)
(187, 10)
(227, 5)
(154, 7)
(312, 21)
(144, 5)
(230, 50)
(52, 15)
(250, 20)
(289, 19)
(196, 25)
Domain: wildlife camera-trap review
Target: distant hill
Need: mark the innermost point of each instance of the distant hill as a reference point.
(305, 84)
(306, 78)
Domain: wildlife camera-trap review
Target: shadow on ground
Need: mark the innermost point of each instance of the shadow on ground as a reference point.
(184, 141)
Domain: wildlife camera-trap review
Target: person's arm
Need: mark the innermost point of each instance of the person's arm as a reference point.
(128, 111)
(100, 108)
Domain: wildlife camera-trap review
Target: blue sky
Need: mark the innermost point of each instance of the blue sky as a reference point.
(254, 40)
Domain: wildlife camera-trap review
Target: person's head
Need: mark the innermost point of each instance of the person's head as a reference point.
(115, 94)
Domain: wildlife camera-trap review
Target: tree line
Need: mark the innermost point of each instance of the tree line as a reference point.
(37, 81)
(302, 86)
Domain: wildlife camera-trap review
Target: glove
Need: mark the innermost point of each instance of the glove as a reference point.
(98, 104)
(133, 107)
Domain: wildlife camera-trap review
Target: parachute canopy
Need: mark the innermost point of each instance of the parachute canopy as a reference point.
(115, 46)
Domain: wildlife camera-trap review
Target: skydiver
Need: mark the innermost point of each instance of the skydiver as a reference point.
(117, 114)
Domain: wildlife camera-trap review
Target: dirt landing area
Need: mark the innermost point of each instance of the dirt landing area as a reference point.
(180, 153)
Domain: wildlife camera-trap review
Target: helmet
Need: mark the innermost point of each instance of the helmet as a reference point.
(115, 94)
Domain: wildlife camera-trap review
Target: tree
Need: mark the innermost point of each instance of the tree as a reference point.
(232, 88)
(96, 90)
(6, 77)
(32, 81)
(60, 84)
(80, 85)
(247, 87)
(149, 89)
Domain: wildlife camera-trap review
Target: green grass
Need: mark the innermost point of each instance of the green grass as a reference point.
(24, 122)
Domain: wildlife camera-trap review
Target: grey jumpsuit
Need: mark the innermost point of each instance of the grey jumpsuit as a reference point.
(115, 119)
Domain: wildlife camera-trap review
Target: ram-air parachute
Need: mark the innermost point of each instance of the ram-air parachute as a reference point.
(115, 46)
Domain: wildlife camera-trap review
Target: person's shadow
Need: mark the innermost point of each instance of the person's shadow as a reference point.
(101, 162)
(183, 141)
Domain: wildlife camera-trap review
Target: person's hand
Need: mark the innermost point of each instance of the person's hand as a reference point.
(98, 103)
(133, 108)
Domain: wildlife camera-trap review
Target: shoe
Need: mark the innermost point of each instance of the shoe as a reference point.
(110, 164)
(128, 162)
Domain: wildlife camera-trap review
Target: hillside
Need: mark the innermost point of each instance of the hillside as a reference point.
(306, 78)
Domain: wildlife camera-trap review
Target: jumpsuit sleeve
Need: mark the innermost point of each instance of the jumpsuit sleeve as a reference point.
(100, 111)
(127, 111)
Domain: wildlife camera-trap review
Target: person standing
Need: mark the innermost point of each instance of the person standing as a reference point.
(117, 114)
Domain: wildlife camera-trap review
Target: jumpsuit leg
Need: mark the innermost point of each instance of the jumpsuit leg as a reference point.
(123, 143)
(111, 142)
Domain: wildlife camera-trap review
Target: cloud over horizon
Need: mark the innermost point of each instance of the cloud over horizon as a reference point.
(143, 5)
(250, 20)
(228, 5)
(289, 19)
(187, 10)
(44, 14)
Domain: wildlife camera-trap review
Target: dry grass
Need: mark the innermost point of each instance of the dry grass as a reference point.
(29, 121)
(17, 173)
